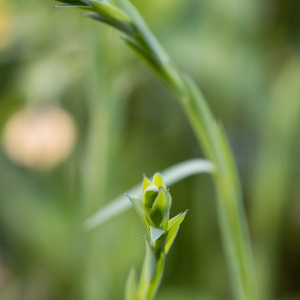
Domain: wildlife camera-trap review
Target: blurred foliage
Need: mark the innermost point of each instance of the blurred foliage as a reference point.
(246, 58)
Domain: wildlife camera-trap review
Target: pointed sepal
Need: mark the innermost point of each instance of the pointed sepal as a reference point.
(140, 208)
(158, 209)
(149, 196)
(158, 181)
(146, 183)
(155, 233)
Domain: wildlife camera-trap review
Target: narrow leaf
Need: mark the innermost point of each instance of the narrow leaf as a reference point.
(110, 11)
(172, 232)
(131, 285)
(144, 53)
(74, 2)
(95, 16)
(71, 6)
(173, 220)
(140, 208)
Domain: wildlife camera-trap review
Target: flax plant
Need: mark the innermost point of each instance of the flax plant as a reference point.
(122, 15)
(154, 210)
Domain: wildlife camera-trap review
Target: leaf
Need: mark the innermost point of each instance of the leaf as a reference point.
(144, 53)
(155, 233)
(173, 220)
(140, 208)
(114, 16)
(172, 232)
(71, 6)
(95, 16)
(74, 2)
(110, 11)
(131, 285)
(158, 209)
(158, 181)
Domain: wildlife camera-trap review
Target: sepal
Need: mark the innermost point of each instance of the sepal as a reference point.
(158, 209)
(146, 183)
(140, 209)
(149, 195)
(155, 233)
(158, 181)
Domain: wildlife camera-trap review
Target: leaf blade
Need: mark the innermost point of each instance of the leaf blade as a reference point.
(172, 232)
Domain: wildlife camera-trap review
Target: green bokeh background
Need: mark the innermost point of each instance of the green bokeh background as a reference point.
(245, 55)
